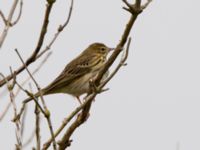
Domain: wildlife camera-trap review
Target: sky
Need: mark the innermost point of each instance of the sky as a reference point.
(153, 103)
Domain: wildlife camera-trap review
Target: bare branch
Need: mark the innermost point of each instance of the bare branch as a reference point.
(68, 119)
(23, 122)
(3, 17)
(37, 127)
(59, 30)
(17, 123)
(146, 4)
(8, 21)
(23, 83)
(121, 43)
(121, 63)
(19, 15)
(65, 141)
(35, 71)
(46, 113)
(81, 118)
(5, 111)
(34, 55)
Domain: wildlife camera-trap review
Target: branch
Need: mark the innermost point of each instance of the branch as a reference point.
(121, 63)
(81, 118)
(88, 99)
(3, 17)
(23, 83)
(8, 21)
(65, 141)
(33, 56)
(46, 113)
(19, 15)
(59, 30)
(123, 40)
(36, 131)
(17, 123)
(37, 127)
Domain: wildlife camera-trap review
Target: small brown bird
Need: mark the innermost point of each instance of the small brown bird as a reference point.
(74, 79)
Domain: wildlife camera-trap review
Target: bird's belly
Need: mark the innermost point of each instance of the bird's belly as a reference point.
(80, 86)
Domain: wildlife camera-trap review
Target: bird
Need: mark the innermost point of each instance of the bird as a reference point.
(76, 76)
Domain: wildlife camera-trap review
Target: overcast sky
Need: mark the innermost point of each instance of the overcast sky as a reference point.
(153, 103)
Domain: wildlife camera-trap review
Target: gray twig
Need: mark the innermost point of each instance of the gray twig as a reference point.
(46, 113)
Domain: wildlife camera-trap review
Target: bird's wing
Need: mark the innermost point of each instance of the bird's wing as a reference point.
(72, 71)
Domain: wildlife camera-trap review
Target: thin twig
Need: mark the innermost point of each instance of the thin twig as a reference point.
(59, 30)
(23, 83)
(5, 111)
(122, 41)
(17, 123)
(24, 104)
(23, 122)
(81, 118)
(3, 17)
(35, 71)
(19, 15)
(33, 79)
(121, 63)
(34, 54)
(37, 128)
(146, 4)
(46, 113)
(65, 122)
(8, 21)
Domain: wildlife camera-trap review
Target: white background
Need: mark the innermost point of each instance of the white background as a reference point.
(152, 104)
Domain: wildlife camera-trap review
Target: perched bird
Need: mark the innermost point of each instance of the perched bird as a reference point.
(75, 78)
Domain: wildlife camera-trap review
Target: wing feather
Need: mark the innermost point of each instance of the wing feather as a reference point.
(72, 71)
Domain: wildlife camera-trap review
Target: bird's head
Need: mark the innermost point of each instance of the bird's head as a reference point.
(99, 48)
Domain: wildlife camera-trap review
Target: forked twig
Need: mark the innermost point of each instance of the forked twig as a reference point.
(23, 83)
(19, 15)
(46, 113)
(59, 30)
(7, 21)
(17, 123)
(3, 17)
(34, 55)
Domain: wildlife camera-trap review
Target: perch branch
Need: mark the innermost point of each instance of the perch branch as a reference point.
(82, 117)
(65, 141)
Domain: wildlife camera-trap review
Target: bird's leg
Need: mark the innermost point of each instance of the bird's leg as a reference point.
(78, 98)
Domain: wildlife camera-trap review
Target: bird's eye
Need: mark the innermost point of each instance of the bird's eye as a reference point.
(102, 49)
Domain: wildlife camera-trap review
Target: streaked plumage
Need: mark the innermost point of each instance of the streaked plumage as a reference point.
(74, 79)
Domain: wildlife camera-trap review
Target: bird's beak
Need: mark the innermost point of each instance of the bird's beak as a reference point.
(111, 49)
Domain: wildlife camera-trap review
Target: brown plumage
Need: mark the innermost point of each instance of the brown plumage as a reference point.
(74, 79)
